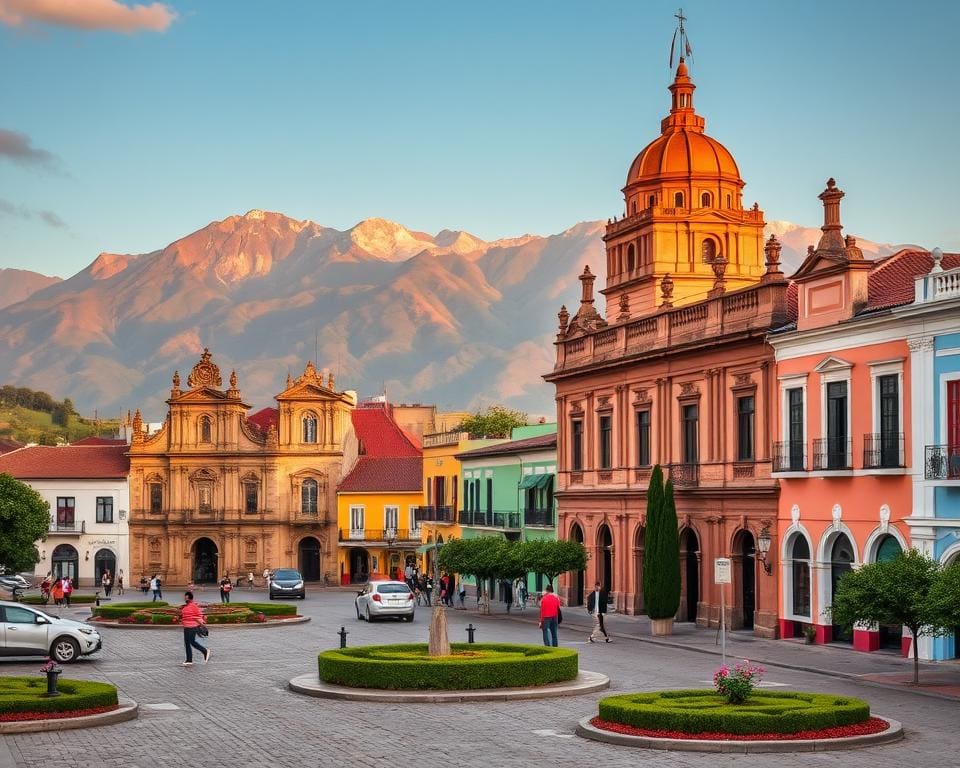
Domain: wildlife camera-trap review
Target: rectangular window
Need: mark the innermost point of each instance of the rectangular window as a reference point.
(204, 493)
(837, 425)
(414, 523)
(250, 498)
(953, 414)
(643, 438)
(429, 491)
(889, 394)
(576, 445)
(467, 493)
(391, 518)
(65, 512)
(156, 497)
(104, 509)
(454, 490)
(745, 427)
(691, 421)
(606, 442)
(356, 522)
(795, 436)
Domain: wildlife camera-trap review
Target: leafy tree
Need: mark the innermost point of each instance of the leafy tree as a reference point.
(498, 421)
(661, 566)
(551, 558)
(483, 558)
(24, 520)
(910, 590)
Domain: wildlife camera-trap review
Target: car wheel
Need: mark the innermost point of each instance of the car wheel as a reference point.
(272, 597)
(408, 618)
(303, 595)
(368, 614)
(65, 650)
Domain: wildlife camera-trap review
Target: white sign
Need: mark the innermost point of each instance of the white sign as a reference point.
(721, 570)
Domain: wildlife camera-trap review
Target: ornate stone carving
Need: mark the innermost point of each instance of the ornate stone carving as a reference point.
(624, 307)
(175, 390)
(330, 383)
(837, 514)
(742, 380)
(920, 344)
(795, 513)
(641, 395)
(564, 317)
(772, 251)
(576, 406)
(689, 389)
(884, 518)
(204, 373)
(666, 292)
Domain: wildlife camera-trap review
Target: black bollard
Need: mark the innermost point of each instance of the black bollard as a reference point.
(470, 630)
(343, 637)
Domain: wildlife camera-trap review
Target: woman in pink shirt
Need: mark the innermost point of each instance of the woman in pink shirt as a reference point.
(192, 617)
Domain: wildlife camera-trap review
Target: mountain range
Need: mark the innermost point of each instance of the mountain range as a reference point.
(449, 318)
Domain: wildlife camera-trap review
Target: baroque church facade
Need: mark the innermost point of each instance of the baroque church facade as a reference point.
(212, 493)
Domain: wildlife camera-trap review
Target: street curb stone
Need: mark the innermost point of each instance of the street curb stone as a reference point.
(128, 710)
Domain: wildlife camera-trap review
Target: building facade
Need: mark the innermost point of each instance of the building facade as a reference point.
(213, 494)
(676, 372)
(86, 488)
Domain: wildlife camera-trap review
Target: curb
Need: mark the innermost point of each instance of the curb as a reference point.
(128, 710)
(894, 733)
(218, 627)
(585, 682)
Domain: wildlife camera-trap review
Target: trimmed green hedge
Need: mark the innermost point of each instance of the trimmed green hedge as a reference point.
(271, 609)
(75, 599)
(700, 711)
(124, 609)
(25, 694)
(408, 667)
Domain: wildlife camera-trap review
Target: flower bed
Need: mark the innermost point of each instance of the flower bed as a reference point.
(867, 727)
(704, 711)
(470, 666)
(23, 698)
(216, 613)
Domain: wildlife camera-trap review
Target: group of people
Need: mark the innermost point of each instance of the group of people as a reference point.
(59, 589)
(107, 582)
(551, 615)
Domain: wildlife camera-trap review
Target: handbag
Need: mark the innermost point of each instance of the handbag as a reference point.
(202, 630)
(559, 616)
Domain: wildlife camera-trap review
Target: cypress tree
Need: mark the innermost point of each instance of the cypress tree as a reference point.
(662, 563)
(650, 568)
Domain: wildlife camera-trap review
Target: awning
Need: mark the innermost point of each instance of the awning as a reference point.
(424, 548)
(545, 480)
(536, 481)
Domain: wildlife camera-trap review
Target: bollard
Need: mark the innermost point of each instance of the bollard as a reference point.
(343, 637)
(470, 630)
(97, 598)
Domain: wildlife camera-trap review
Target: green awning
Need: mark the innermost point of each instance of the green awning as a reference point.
(544, 480)
(424, 548)
(531, 481)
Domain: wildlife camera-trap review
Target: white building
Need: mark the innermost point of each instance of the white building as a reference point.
(87, 490)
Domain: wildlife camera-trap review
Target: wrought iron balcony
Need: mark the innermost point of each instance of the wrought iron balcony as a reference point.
(485, 519)
(789, 456)
(941, 462)
(883, 450)
(74, 527)
(435, 514)
(386, 535)
(831, 453)
(542, 517)
(685, 475)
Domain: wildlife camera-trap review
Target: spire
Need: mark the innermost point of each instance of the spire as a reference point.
(682, 114)
(830, 240)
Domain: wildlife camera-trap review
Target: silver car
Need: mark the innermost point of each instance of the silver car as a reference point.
(28, 631)
(385, 598)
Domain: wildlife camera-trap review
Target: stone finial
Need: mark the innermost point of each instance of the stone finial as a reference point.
(273, 438)
(719, 265)
(175, 390)
(564, 317)
(772, 250)
(624, 307)
(233, 379)
(289, 380)
(666, 292)
(330, 381)
(850, 249)
(831, 197)
(937, 254)
(586, 285)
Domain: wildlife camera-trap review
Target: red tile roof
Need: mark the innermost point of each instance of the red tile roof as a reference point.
(374, 474)
(380, 435)
(66, 462)
(92, 440)
(538, 443)
(263, 418)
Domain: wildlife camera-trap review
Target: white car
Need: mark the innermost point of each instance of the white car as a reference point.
(385, 598)
(28, 631)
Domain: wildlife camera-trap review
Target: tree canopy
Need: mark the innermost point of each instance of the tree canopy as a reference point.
(497, 421)
(24, 520)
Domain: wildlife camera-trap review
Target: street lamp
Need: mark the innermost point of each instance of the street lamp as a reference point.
(763, 548)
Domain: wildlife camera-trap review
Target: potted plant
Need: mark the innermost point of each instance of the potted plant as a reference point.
(52, 670)
(809, 633)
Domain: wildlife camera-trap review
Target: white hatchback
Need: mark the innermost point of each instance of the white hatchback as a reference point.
(28, 631)
(385, 598)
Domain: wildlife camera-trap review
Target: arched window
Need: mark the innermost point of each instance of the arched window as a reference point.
(652, 201)
(308, 497)
(708, 250)
(310, 428)
(888, 548)
(205, 429)
(678, 200)
(706, 200)
(631, 258)
(728, 201)
(800, 555)
(634, 207)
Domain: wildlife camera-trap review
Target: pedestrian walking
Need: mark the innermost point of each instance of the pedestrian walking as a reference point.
(522, 593)
(67, 589)
(192, 617)
(156, 586)
(106, 583)
(597, 607)
(507, 588)
(462, 595)
(225, 587)
(144, 584)
(443, 589)
(250, 580)
(550, 617)
(56, 591)
(266, 578)
(429, 590)
(120, 582)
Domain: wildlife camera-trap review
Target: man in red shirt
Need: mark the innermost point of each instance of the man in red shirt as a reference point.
(549, 616)
(191, 617)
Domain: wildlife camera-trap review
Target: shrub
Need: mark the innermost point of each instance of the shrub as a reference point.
(271, 609)
(699, 711)
(736, 684)
(75, 599)
(25, 694)
(408, 667)
(123, 609)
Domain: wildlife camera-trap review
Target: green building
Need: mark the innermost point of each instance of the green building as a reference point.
(508, 491)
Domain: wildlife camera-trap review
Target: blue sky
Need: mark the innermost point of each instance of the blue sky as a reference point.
(500, 118)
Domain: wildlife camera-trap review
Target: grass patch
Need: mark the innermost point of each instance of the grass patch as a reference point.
(26, 694)
(470, 666)
(706, 711)
(120, 610)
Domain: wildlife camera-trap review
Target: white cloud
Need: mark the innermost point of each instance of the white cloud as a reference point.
(108, 15)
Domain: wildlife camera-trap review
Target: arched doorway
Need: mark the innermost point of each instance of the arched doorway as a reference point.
(104, 560)
(359, 565)
(639, 549)
(800, 575)
(205, 562)
(891, 635)
(745, 567)
(66, 562)
(577, 584)
(841, 562)
(605, 545)
(309, 559)
(690, 580)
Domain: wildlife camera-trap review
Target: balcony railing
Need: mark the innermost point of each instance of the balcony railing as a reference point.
(831, 453)
(883, 450)
(941, 462)
(388, 535)
(485, 519)
(542, 517)
(433, 514)
(789, 456)
(74, 526)
(685, 475)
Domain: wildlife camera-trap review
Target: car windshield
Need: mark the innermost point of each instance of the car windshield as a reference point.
(392, 588)
(286, 574)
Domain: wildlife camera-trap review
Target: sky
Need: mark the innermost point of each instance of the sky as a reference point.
(124, 127)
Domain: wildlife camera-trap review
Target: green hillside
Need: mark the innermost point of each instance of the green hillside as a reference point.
(35, 417)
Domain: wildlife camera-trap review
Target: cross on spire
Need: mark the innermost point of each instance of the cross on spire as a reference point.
(681, 32)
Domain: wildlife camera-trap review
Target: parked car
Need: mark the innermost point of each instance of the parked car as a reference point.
(15, 584)
(287, 582)
(385, 598)
(28, 631)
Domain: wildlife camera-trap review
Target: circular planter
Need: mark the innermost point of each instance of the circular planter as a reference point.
(275, 622)
(469, 667)
(27, 706)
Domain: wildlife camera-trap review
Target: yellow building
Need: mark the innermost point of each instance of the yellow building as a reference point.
(378, 499)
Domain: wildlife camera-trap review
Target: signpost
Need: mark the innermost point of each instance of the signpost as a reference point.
(721, 575)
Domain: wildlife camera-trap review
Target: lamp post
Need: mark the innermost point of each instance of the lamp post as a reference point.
(763, 548)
